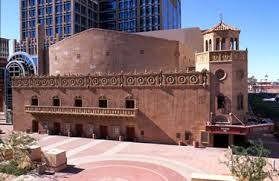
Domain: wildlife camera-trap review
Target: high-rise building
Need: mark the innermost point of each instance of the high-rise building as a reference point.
(62, 18)
(139, 15)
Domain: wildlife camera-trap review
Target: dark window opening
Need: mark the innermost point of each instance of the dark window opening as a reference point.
(188, 135)
(142, 133)
(217, 44)
(78, 102)
(178, 135)
(56, 101)
(206, 45)
(34, 101)
(240, 102)
(103, 103)
(223, 44)
(141, 51)
(130, 104)
(221, 101)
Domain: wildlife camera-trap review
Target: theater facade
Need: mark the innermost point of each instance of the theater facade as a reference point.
(114, 85)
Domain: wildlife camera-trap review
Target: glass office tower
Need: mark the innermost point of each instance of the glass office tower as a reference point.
(139, 15)
(60, 18)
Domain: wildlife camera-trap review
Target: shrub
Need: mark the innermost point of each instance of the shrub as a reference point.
(11, 168)
(249, 164)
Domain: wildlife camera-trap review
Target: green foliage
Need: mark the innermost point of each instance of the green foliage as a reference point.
(249, 164)
(264, 109)
(11, 168)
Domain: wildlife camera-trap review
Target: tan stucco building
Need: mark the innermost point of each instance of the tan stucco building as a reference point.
(141, 88)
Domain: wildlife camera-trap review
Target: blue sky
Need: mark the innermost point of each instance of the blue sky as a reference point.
(257, 19)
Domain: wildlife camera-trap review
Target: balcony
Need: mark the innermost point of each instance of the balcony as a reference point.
(82, 111)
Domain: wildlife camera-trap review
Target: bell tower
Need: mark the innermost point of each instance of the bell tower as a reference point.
(228, 67)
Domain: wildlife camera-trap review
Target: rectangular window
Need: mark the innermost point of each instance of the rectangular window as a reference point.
(78, 103)
(130, 104)
(240, 102)
(56, 102)
(34, 102)
(103, 103)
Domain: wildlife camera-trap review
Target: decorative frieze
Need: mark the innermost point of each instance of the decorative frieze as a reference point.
(86, 111)
(159, 79)
(227, 55)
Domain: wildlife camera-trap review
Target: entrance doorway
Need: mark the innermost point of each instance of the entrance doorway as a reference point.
(103, 132)
(56, 128)
(35, 126)
(221, 140)
(130, 133)
(79, 130)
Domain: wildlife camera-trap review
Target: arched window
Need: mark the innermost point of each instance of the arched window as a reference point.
(103, 102)
(210, 45)
(55, 101)
(223, 44)
(78, 101)
(240, 101)
(220, 101)
(206, 46)
(34, 101)
(232, 44)
(236, 44)
(217, 44)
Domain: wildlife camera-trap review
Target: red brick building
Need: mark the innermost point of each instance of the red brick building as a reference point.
(111, 84)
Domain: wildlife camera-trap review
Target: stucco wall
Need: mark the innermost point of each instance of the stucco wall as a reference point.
(163, 112)
(97, 50)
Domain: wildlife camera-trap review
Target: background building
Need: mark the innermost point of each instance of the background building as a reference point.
(4, 54)
(139, 15)
(64, 18)
(45, 22)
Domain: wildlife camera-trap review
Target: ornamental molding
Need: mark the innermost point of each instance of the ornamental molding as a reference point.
(121, 80)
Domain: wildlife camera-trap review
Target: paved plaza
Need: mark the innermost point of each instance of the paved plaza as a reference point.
(107, 160)
(113, 160)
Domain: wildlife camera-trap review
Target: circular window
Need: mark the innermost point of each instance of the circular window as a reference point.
(221, 74)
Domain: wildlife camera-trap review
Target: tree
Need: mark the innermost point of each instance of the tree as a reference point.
(249, 164)
(252, 80)
(266, 78)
